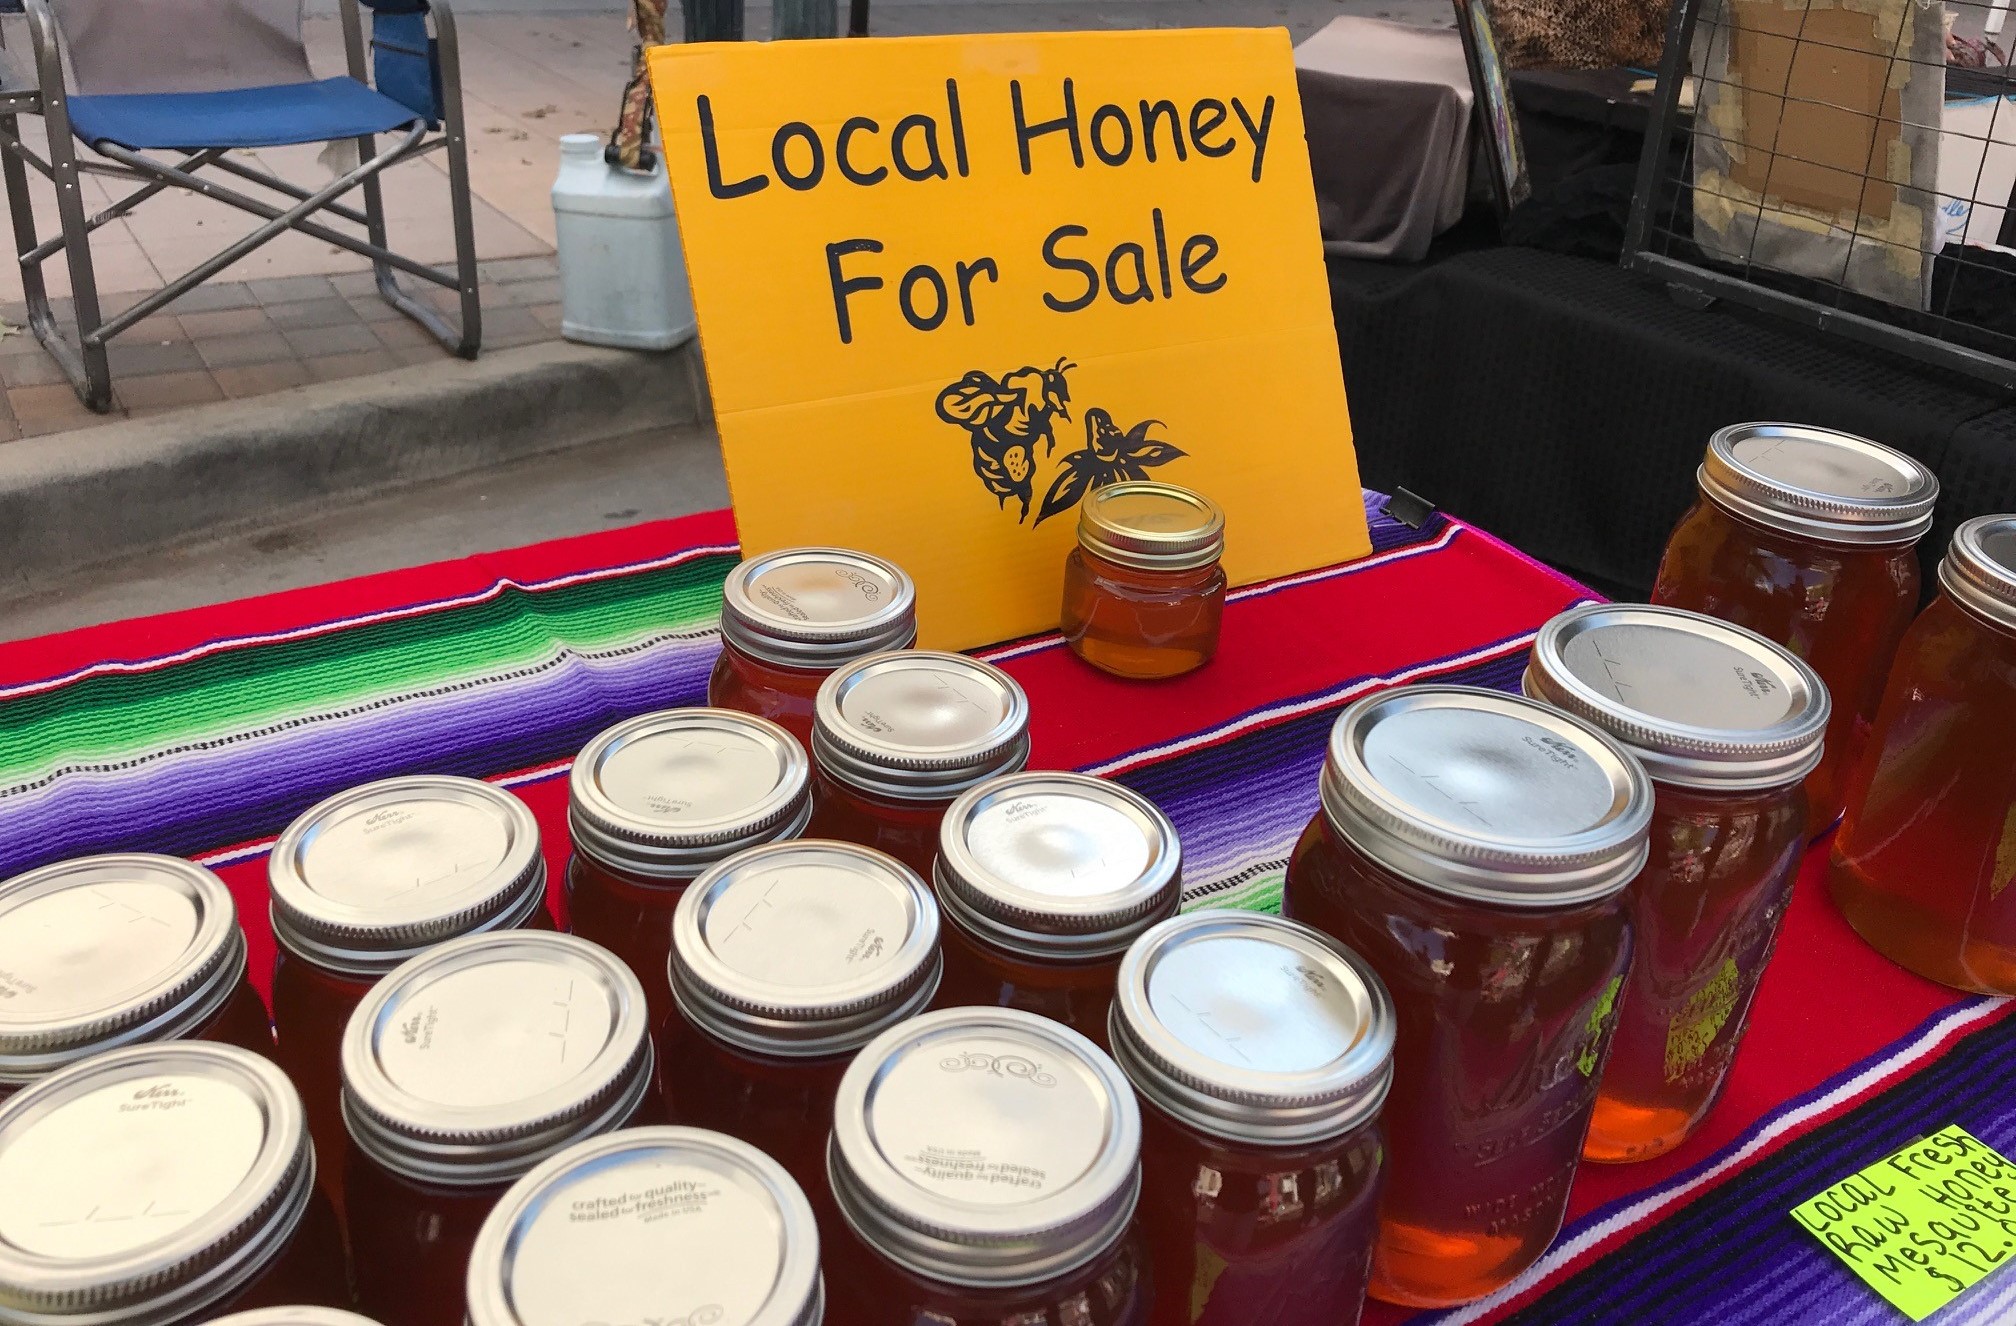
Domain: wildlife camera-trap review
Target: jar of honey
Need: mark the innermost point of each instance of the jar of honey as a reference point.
(1925, 857)
(786, 960)
(986, 1164)
(462, 1070)
(1804, 535)
(655, 801)
(1045, 879)
(1262, 1051)
(1144, 594)
(113, 950)
(161, 1185)
(789, 618)
(367, 879)
(1728, 725)
(899, 736)
(672, 1226)
(1474, 848)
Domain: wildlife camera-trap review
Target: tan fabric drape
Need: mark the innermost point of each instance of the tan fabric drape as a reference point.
(633, 126)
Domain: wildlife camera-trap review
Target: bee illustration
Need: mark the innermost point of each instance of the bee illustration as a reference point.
(1005, 420)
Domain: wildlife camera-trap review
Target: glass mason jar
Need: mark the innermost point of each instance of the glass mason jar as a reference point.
(106, 951)
(786, 960)
(462, 1070)
(1262, 1051)
(899, 736)
(367, 879)
(985, 1162)
(1924, 860)
(162, 1185)
(1727, 725)
(1804, 535)
(789, 618)
(1045, 879)
(1144, 594)
(676, 1226)
(654, 802)
(1474, 848)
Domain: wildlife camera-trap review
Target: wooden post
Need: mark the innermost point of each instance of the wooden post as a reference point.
(805, 18)
(713, 20)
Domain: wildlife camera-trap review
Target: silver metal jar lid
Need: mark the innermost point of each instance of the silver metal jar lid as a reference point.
(650, 1225)
(109, 950)
(1820, 484)
(1253, 1028)
(669, 794)
(1151, 526)
(1700, 702)
(1487, 796)
(805, 949)
(817, 608)
(920, 726)
(371, 876)
(293, 1314)
(986, 1146)
(478, 1059)
(1979, 569)
(1057, 865)
(145, 1184)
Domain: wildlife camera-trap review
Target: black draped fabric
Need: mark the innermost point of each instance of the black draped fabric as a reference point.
(1563, 403)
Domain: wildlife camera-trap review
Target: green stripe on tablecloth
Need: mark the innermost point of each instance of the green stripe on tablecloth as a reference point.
(116, 715)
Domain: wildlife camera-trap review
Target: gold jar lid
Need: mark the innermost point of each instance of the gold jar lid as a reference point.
(1151, 526)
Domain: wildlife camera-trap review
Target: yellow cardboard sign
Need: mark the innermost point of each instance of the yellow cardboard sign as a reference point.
(1921, 1225)
(948, 284)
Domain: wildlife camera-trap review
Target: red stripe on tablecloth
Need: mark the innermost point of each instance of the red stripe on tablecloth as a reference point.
(143, 641)
(1303, 639)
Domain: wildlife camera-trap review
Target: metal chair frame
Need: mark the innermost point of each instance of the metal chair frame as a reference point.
(85, 360)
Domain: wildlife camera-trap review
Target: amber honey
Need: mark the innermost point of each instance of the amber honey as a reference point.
(106, 951)
(652, 803)
(1927, 851)
(931, 1118)
(1806, 537)
(163, 1185)
(789, 618)
(362, 882)
(899, 736)
(1473, 849)
(1262, 1052)
(786, 960)
(462, 1070)
(1045, 879)
(1144, 594)
(1728, 725)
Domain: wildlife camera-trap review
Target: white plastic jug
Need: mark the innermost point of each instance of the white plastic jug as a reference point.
(622, 276)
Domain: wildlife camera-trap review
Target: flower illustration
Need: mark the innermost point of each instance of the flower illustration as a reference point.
(1108, 456)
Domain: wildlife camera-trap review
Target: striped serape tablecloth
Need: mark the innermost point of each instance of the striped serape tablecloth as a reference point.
(202, 733)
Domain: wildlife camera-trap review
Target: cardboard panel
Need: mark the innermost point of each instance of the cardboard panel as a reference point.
(946, 284)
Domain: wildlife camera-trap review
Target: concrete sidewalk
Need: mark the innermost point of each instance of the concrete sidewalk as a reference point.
(284, 386)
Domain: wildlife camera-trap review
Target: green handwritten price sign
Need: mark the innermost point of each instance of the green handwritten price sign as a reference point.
(1923, 1224)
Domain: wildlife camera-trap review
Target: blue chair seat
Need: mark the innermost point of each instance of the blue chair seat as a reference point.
(242, 117)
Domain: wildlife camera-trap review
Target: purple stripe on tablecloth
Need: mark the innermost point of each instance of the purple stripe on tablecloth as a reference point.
(249, 786)
(1244, 801)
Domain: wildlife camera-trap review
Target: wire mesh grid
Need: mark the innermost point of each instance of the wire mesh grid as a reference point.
(1822, 159)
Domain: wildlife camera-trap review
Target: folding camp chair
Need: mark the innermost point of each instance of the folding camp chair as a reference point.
(200, 79)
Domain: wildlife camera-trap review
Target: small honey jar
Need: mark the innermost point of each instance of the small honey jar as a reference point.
(1143, 591)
